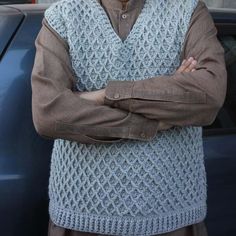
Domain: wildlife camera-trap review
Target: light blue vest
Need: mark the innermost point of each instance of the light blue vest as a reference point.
(130, 187)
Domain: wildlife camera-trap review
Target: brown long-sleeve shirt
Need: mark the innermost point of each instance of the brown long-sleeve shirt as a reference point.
(132, 109)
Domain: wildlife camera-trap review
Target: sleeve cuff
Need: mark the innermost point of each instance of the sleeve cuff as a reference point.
(143, 129)
(117, 90)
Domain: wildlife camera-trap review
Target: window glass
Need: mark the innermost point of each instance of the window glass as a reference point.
(46, 1)
(221, 3)
(226, 118)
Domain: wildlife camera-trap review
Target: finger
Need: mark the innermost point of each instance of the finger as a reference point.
(191, 66)
(185, 64)
(182, 67)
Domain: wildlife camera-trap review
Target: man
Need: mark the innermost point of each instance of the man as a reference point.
(107, 85)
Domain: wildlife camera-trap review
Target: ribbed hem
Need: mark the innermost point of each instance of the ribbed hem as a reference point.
(114, 225)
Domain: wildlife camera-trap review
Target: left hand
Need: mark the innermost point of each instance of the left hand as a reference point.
(187, 65)
(96, 96)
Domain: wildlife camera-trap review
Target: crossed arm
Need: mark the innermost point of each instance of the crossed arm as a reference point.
(143, 107)
(182, 98)
(98, 96)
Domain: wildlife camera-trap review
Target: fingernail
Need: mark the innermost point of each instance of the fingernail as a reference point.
(194, 62)
(190, 59)
(183, 62)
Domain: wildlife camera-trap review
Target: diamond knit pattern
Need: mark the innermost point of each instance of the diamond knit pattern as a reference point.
(129, 187)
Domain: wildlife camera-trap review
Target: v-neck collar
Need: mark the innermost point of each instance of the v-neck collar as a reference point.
(109, 30)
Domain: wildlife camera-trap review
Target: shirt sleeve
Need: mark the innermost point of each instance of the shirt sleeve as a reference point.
(187, 98)
(58, 110)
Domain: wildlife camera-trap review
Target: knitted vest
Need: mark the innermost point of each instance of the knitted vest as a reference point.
(130, 187)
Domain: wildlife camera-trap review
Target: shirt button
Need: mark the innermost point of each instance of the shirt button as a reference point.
(143, 135)
(124, 16)
(116, 95)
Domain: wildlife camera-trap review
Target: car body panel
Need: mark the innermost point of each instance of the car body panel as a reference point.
(8, 26)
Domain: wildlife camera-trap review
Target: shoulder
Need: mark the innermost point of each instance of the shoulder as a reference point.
(62, 16)
(62, 7)
(201, 5)
(187, 6)
(185, 3)
(60, 13)
(192, 4)
(56, 11)
(183, 8)
(202, 16)
(55, 16)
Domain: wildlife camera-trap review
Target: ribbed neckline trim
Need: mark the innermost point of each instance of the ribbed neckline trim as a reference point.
(137, 28)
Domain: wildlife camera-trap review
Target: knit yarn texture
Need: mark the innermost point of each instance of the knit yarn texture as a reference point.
(130, 187)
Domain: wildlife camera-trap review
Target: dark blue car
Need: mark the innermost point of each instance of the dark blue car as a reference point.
(25, 156)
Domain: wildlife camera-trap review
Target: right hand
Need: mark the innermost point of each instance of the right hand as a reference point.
(187, 65)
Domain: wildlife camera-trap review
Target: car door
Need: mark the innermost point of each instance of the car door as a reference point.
(220, 140)
(24, 156)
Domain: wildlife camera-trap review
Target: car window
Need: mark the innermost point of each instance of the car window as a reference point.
(8, 26)
(226, 119)
(6, 2)
(221, 3)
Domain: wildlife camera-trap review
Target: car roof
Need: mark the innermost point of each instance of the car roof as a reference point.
(27, 8)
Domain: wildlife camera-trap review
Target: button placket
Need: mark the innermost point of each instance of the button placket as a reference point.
(143, 135)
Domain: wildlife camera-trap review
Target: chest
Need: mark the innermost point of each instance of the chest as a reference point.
(122, 14)
(152, 47)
